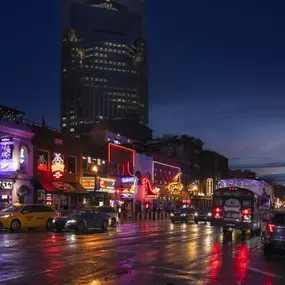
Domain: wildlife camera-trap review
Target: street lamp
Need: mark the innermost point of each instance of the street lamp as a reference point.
(95, 170)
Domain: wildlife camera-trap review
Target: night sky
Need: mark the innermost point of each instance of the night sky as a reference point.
(217, 72)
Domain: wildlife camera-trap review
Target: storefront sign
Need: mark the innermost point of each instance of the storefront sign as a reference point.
(6, 139)
(209, 186)
(151, 196)
(175, 187)
(6, 185)
(129, 186)
(107, 185)
(66, 187)
(149, 188)
(128, 179)
(57, 167)
(6, 154)
(88, 183)
(43, 160)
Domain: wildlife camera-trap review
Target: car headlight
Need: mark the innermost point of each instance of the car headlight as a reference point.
(209, 214)
(71, 221)
(171, 215)
(6, 216)
(196, 214)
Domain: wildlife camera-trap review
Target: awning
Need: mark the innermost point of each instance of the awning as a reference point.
(64, 188)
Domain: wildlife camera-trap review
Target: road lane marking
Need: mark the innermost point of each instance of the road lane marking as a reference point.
(266, 273)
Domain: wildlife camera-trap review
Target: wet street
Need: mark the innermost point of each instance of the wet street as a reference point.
(145, 253)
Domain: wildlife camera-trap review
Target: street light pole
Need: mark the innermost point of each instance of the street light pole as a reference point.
(95, 169)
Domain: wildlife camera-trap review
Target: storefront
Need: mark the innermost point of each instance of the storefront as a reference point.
(57, 185)
(16, 171)
(102, 192)
(61, 195)
(171, 195)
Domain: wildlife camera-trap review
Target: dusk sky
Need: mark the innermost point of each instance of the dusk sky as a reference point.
(217, 72)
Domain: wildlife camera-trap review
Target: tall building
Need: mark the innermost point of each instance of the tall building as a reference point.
(104, 62)
(214, 167)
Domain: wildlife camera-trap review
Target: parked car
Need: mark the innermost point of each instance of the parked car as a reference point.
(183, 215)
(84, 219)
(110, 211)
(27, 216)
(273, 237)
(60, 221)
(202, 215)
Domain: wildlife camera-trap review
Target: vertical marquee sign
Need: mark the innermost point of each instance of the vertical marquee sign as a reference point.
(57, 166)
(6, 154)
(209, 186)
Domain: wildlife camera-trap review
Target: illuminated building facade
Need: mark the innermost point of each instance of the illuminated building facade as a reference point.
(16, 164)
(214, 167)
(167, 178)
(59, 168)
(104, 63)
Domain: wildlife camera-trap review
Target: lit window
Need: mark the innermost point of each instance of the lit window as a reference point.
(64, 125)
(64, 118)
(72, 130)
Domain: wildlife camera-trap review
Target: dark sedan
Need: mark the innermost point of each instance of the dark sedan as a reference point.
(183, 215)
(82, 220)
(274, 235)
(202, 215)
(60, 221)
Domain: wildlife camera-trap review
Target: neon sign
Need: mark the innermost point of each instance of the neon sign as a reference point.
(107, 185)
(88, 183)
(6, 185)
(150, 190)
(175, 187)
(57, 167)
(129, 186)
(62, 186)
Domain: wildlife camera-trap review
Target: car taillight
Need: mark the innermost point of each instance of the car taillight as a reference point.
(217, 212)
(246, 212)
(271, 227)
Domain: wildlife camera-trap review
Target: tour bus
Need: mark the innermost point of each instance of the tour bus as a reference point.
(240, 208)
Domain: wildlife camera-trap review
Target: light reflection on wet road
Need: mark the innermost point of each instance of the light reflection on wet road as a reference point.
(146, 253)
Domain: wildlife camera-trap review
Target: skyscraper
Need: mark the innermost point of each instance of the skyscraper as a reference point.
(104, 62)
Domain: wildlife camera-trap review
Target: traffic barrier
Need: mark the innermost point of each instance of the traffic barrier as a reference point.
(141, 216)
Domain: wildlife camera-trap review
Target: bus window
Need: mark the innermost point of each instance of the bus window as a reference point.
(218, 201)
(246, 203)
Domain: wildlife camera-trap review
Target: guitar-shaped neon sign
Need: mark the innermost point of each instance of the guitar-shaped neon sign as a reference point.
(175, 187)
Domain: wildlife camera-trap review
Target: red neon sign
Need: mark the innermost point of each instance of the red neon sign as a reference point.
(57, 167)
(149, 187)
(111, 145)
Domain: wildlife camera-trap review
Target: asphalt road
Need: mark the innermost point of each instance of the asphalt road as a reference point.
(146, 253)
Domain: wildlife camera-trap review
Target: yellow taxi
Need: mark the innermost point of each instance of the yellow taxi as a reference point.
(27, 216)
